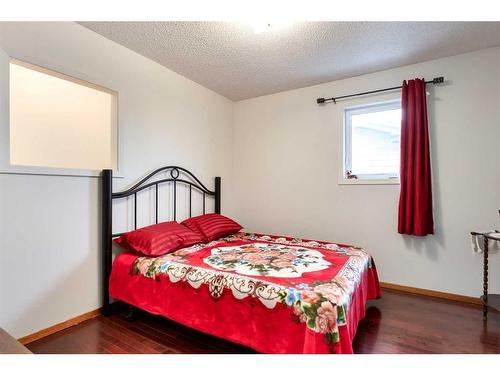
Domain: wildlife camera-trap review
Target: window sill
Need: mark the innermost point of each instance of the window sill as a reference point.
(368, 182)
(46, 171)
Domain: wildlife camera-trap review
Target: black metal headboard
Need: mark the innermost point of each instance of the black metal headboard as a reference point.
(178, 175)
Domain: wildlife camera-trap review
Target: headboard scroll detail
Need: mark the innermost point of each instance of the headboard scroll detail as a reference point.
(176, 175)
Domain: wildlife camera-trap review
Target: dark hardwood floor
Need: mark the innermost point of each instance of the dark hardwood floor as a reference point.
(397, 323)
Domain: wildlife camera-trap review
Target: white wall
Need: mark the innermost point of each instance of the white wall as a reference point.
(49, 233)
(287, 160)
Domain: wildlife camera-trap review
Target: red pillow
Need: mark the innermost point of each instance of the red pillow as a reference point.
(159, 239)
(212, 226)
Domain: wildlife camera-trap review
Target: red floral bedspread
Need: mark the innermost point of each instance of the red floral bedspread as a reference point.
(317, 282)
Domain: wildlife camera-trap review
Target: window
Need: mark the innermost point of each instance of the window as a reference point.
(371, 141)
(59, 121)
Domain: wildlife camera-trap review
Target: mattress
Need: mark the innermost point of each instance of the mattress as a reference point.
(271, 293)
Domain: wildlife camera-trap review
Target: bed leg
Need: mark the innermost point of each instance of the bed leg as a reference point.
(131, 313)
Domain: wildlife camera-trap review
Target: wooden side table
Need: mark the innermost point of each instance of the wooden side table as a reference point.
(490, 301)
(9, 345)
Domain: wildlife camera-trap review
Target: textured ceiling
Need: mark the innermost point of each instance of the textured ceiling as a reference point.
(229, 58)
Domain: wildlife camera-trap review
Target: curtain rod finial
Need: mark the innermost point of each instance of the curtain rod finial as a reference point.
(320, 100)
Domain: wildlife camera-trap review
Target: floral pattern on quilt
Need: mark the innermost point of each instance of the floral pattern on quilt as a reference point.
(321, 305)
(266, 260)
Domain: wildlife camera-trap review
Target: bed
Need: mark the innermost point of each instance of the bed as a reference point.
(275, 294)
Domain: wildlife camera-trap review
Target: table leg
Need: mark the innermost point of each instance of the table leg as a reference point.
(485, 278)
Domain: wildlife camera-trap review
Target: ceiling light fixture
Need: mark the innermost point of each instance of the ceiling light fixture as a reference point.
(265, 26)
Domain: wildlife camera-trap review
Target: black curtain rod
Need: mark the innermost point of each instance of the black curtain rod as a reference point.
(323, 100)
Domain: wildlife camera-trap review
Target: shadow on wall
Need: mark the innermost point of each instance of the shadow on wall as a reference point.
(52, 312)
(59, 302)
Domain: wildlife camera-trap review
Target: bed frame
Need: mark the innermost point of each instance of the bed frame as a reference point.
(177, 175)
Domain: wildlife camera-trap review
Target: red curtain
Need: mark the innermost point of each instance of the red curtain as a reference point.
(415, 200)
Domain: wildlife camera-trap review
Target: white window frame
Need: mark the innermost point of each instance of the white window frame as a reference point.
(365, 179)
